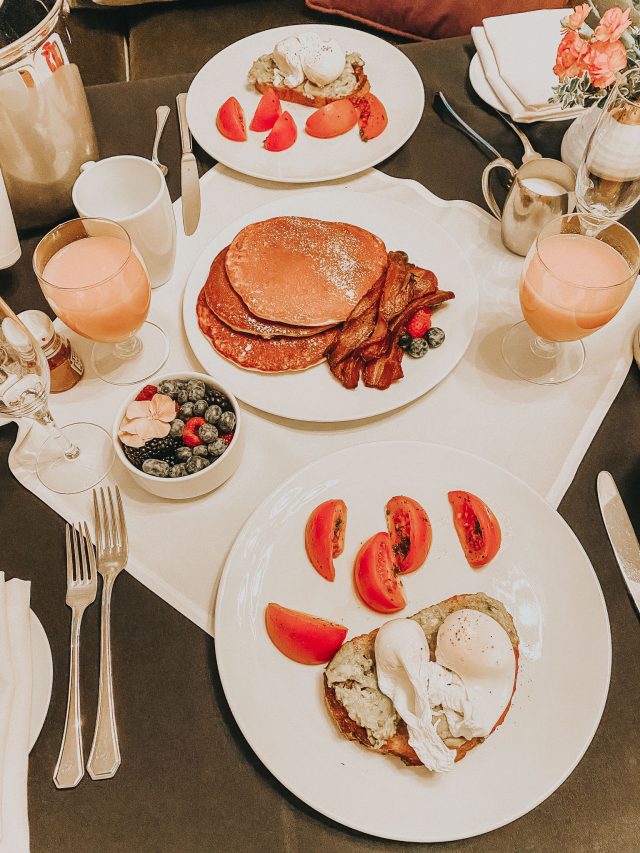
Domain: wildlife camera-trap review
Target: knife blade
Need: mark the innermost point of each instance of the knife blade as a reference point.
(621, 533)
(189, 180)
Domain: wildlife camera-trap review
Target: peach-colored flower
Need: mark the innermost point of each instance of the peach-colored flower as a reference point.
(570, 58)
(147, 419)
(577, 18)
(603, 61)
(612, 25)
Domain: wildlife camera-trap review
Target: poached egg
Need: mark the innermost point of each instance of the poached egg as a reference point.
(307, 55)
(472, 679)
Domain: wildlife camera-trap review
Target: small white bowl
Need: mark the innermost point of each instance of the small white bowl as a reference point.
(192, 485)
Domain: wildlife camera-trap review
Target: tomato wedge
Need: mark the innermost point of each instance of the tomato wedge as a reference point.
(230, 121)
(267, 111)
(375, 579)
(410, 532)
(303, 638)
(283, 135)
(477, 528)
(372, 116)
(324, 536)
(334, 119)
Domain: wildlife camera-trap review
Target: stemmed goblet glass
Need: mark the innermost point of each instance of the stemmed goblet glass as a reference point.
(73, 458)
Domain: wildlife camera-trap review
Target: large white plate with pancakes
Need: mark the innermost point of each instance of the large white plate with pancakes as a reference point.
(393, 78)
(314, 394)
(542, 576)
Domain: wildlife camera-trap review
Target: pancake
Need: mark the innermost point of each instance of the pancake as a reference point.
(252, 353)
(304, 272)
(228, 307)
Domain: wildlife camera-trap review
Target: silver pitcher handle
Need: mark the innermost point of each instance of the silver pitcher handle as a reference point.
(498, 163)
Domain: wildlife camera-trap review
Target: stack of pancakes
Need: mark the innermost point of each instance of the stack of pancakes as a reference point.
(276, 297)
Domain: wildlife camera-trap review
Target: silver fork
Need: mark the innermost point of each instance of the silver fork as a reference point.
(112, 547)
(82, 584)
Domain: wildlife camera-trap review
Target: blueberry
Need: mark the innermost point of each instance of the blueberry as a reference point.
(175, 431)
(217, 447)
(186, 412)
(200, 408)
(183, 454)
(418, 348)
(196, 463)
(200, 450)
(182, 395)
(156, 467)
(207, 433)
(196, 389)
(212, 414)
(227, 422)
(404, 341)
(179, 470)
(168, 387)
(435, 337)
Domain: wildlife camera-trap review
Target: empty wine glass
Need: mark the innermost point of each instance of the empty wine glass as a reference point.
(73, 458)
(608, 180)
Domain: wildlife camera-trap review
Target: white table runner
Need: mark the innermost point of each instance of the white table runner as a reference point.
(539, 433)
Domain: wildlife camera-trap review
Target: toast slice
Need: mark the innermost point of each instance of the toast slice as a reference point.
(350, 679)
(353, 82)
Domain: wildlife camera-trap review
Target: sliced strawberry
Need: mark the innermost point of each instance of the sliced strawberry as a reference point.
(334, 119)
(230, 121)
(267, 112)
(372, 116)
(283, 135)
(420, 323)
(190, 432)
(147, 393)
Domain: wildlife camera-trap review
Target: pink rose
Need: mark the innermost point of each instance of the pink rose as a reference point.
(612, 25)
(577, 18)
(572, 51)
(603, 61)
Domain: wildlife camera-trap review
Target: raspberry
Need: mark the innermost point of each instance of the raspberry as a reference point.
(190, 435)
(147, 393)
(226, 437)
(420, 323)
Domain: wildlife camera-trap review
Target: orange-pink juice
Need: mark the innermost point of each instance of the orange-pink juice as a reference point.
(572, 286)
(101, 290)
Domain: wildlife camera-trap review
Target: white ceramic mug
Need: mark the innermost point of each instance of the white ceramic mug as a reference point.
(132, 191)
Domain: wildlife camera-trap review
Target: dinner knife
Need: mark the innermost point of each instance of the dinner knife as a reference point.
(189, 180)
(621, 533)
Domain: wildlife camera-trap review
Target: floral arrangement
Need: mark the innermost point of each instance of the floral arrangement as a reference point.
(589, 59)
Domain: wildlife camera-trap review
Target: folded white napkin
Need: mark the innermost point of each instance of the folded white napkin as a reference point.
(15, 713)
(518, 53)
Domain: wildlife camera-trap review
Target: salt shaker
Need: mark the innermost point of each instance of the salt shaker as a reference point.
(10, 249)
(65, 367)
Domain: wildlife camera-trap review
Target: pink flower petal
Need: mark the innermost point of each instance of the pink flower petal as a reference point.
(163, 408)
(139, 409)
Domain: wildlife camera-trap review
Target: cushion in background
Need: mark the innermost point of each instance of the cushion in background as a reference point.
(421, 19)
(98, 46)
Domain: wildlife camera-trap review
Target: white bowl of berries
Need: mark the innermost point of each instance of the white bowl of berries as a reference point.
(180, 437)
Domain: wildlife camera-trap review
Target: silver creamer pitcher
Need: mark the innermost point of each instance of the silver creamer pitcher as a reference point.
(46, 131)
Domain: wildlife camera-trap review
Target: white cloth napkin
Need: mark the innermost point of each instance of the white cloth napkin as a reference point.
(518, 53)
(15, 712)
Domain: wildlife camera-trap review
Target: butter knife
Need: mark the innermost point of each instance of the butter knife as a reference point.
(189, 180)
(621, 533)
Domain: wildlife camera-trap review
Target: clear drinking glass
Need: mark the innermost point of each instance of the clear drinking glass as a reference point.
(575, 279)
(608, 181)
(73, 458)
(97, 284)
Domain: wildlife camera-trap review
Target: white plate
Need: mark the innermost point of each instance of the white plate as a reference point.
(314, 394)
(42, 678)
(541, 574)
(394, 79)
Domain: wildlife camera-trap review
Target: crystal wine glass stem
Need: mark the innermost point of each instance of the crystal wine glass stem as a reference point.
(544, 348)
(128, 349)
(44, 417)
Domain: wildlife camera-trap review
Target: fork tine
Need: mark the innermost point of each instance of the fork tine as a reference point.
(91, 555)
(124, 538)
(83, 555)
(97, 523)
(77, 576)
(69, 557)
(105, 522)
(113, 527)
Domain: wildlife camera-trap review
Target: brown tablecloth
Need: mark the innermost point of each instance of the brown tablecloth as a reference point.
(188, 781)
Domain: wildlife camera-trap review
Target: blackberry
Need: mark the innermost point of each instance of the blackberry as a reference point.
(157, 448)
(217, 398)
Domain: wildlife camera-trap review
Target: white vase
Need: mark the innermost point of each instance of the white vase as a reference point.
(578, 133)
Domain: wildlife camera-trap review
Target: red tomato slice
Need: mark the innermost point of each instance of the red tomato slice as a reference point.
(267, 112)
(334, 119)
(410, 532)
(324, 536)
(302, 637)
(230, 121)
(477, 528)
(372, 116)
(283, 135)
(376, 581)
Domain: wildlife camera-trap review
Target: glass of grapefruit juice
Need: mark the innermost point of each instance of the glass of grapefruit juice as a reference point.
(575, 278)
(97, 284)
